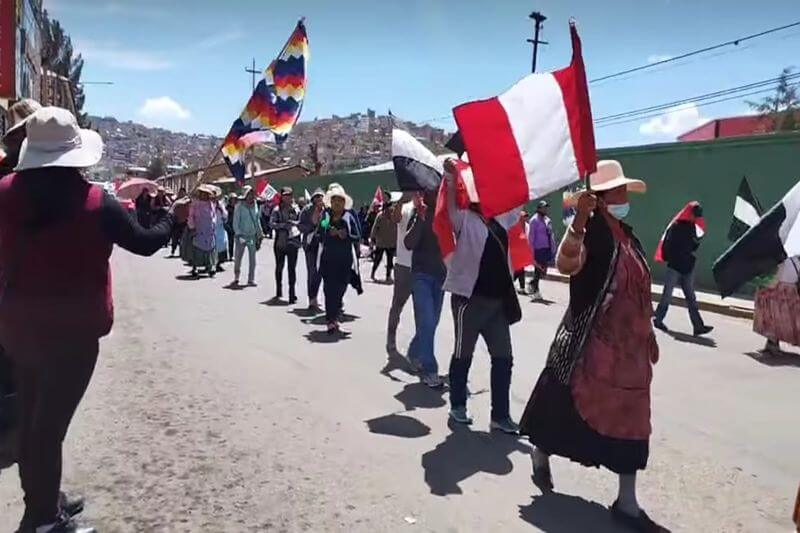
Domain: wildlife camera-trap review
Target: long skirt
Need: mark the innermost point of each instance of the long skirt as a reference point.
(187, 248)
(777, 313)
(204, 259)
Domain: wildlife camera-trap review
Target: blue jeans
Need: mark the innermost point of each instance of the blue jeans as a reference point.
(686, 282)
(427, 294)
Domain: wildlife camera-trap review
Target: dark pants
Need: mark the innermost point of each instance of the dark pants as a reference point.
(282, 256)
(177, 235)
(519, 276)
(231, 244)
(313, 276)
(686, 282)
(378, 256)
(334, 289)
(52, 376)
(543, 256)
(483, 317)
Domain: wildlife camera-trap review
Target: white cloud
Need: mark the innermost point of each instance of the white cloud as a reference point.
(218, 39)
(163, 111)
(675, 121)
(657, 58)
(113, 56)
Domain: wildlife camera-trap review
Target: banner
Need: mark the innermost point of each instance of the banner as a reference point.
(8, 49)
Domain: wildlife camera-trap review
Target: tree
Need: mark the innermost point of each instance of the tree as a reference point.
(156, 169)
(58, 56)
(782, 107)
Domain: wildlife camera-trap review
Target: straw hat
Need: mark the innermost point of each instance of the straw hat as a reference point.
(207, 188)
(55, 140)
(336, 190)
(20, 113)
(609, 176)
(246, 190)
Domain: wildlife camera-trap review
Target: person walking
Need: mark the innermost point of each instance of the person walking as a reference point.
(220, 234)
(310, 218)
(338, 230)
(284, 222)
(777, 308)
(248, 235)
(144, 208)
(428, 271)
(384, 240)
(401, 215)
(591, 403)
(484, 303)
(48, 211)
(543, 245)
(519, 275)
(231, 210)
(677, 250)
(203, 223)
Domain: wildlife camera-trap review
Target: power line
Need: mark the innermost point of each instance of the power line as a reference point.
(734, 42)
(707, 96)
(702, 104)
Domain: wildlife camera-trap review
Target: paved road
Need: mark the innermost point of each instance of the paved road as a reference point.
(211, 411)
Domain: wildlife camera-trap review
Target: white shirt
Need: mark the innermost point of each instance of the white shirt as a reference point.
(403, 257)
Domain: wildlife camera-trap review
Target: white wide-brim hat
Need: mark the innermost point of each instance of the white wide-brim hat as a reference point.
(55, 140)
(338, 190)
(609, 176)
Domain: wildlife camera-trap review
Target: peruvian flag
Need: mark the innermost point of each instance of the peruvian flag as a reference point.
(531, 140)
(377, 200)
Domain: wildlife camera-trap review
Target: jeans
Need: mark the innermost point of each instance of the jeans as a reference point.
(281, 256)
(314, 278)
(402, 292)
(376, 261)
(686, 282)
(251, 257)
(428, 297)
(478, 316)
(52, 377)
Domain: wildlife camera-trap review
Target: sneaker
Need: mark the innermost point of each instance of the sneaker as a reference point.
(333, 328)
(460, 415)
(433, 381)
(252, 284)
(660, 325)
(506, 426)
(235, 283)
(703, 330)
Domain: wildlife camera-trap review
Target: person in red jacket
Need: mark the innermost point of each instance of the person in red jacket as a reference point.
(54, 310)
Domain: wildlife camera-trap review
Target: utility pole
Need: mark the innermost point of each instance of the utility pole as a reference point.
(538, 19)
(253, 71)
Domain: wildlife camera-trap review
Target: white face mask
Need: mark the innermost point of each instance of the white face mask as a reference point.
(619, 211)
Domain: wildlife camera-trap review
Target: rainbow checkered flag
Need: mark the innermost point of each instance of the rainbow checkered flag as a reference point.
(275, 105)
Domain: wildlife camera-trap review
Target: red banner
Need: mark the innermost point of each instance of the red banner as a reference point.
(8, 49)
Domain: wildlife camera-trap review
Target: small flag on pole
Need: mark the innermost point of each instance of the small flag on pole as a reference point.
(275, 105)
(533, 139)
(306, 195)
(747, 211)
(775, 237)
(377, 200)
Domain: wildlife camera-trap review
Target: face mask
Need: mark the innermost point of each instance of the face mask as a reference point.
(619, 211)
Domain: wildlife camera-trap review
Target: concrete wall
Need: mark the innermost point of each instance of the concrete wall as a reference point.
(676, 173)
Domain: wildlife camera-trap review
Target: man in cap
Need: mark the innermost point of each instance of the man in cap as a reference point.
(543, 245)
(310, 217)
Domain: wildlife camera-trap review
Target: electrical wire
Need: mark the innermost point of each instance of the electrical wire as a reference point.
(734, 42)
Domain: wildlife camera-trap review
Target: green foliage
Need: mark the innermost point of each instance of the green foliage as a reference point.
(783, 106)
(58, 56)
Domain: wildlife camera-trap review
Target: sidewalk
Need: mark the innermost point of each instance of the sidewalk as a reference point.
(713, 303)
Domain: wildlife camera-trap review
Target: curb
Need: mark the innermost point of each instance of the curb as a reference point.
(735, 311)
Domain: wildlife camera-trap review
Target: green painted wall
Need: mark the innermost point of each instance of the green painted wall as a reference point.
(675, 173)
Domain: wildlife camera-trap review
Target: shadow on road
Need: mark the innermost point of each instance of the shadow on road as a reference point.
(396, 425)
(691, 339)
(420, 396)
(187, 277)
(782, 359)
(305, 312)
(396, 361)
(464, 453)
(234, 287)
(322, 337)
(322, 321)
(562, 513)
(544, 302)
(275, 302)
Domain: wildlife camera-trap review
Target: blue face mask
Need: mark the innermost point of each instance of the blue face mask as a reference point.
(619, 211)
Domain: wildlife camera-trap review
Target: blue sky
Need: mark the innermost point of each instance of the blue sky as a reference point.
(180, 64)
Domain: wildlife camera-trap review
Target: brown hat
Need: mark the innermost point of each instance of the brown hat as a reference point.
(20, 113)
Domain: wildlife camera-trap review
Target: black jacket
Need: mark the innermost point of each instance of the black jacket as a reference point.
(679, 246)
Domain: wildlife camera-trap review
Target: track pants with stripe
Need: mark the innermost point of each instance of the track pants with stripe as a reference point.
(474, 317)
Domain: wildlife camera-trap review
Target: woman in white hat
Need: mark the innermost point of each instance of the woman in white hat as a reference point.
(338, 230)
(592, 401)
(49, 212)
(203, 224)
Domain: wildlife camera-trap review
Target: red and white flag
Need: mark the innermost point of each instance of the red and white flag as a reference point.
(377, 200)
(531, 140)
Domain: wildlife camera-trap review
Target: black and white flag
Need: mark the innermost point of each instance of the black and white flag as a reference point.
(763, 247)
(747, 212)
(415, 167)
